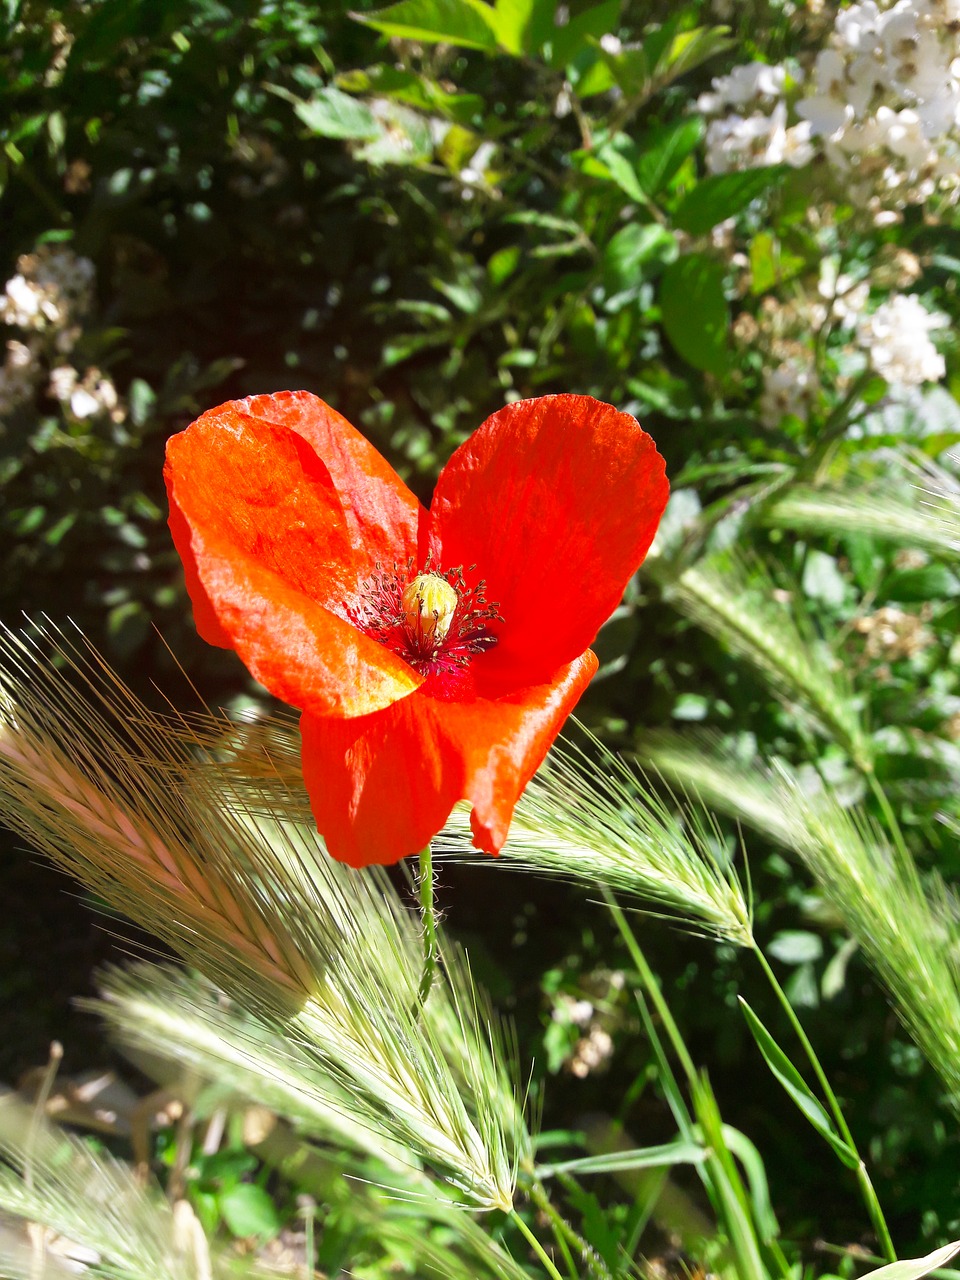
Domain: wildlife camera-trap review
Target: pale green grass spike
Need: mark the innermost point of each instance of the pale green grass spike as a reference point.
(735, 600)
(120, 798)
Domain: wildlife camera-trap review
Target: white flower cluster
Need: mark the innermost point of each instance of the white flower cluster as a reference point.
(882, 103)
(886, 100)
(52, 287)
(896, 338)
(789, 388)
(87, 398)
(47, 299)
(739, 141)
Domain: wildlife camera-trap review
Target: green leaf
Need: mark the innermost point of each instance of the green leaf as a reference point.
(915, 586)
(634, 245)
(248, 1211)
(914, 1268)
(522, 26)
(571, 39)
(723, 195)
(748, 1155)
(405, 138)
(331, 113)
(621, 172)
(503, 263)
(770, 264)
(691, 48)
(670, 1153)
(797, 1087)
(664, 149)
(694, 311)
(468, 24)
(796, 946)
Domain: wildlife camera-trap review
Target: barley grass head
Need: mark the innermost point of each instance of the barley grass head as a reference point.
(138, 808)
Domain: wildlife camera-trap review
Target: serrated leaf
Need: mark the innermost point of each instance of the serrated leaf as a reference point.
(723, 195)
(694, 311)
(331, 113)
(796, 1087)
(468, 24)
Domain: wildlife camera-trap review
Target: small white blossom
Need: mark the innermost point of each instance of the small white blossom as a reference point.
(63, 379)
(89, 398)
(18, 376)
(474, 173)
(738, 142)
(744, 85)
(49, 287)
(896, 339)
(788, 389)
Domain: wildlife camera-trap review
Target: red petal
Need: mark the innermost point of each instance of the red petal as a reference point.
(383, 785)
(556, 500)
(270, 565)
(383, 516)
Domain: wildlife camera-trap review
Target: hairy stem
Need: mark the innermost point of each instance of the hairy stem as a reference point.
(428, 919)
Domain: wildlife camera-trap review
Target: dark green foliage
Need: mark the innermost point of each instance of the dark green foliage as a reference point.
(492, 206)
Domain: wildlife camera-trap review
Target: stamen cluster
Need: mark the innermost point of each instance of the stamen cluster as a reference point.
(385, 615)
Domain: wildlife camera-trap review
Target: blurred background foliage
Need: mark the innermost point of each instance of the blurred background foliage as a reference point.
(418, 216)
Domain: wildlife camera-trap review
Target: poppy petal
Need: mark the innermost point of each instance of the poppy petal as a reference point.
(383, 785)
(556, 500)
(270, 564)
(383, 517)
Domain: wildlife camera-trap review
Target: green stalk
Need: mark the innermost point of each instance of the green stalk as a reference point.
(652, 986)
(566, 1235)
(536, 1246)
(428, 919)
(863, 1178)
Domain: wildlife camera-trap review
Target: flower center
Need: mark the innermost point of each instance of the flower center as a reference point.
(429, 605)
(435, 620)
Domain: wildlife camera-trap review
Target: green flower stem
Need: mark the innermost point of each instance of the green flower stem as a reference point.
(566, 1236)
(863, 1178)
(536, 1246)
(428, 920)
(652, 986)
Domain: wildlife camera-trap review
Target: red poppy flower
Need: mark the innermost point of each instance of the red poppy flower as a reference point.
(433, 654)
